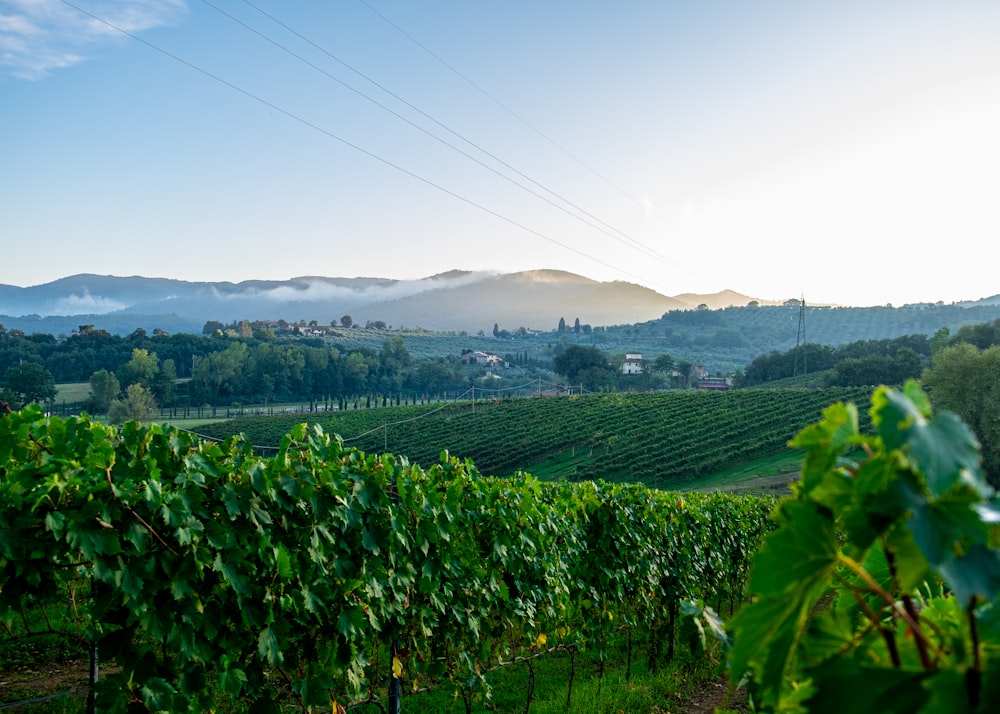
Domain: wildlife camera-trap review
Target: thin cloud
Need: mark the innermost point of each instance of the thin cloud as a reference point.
(86, 304)
(322, 291)
(39, 36)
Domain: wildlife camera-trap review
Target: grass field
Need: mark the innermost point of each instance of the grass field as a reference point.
(72, 392)
(778, 466)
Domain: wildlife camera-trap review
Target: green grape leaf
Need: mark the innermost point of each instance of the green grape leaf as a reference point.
(912, 568)
(232, 680)
(942, 447)
(802, 552)
(947, 453)
(269, 647)
(845, 685)
(827, 634)
(945, 527)
(764, 635)
(825, 441)
(975, 574)
(790, 573)
(894, 415)
(282, 562)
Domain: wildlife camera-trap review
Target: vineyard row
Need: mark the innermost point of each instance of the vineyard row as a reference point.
(662, 439)
(317, 575)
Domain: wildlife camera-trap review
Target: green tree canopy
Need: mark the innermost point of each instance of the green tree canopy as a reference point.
(664, 363)
(104, 389)
(29, 383)
(142, 368)
(982, 335)
(164, 383)
(966, 381)
(219, 373)
(584, 365)
(138, 404)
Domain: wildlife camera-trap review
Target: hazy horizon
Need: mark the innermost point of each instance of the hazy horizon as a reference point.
(319, 287)
(842, 152)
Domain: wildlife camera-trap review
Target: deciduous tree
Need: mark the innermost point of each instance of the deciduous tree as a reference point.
(142, 368)
(966, 381)
(104, 389)
(137, 405)
(584, 365)
(30, 383)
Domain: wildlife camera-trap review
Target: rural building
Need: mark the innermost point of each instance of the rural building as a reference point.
(715, 383)
(485, 358)
(632, 363)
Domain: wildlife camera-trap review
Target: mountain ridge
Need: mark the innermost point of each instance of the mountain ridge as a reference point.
(455, 300)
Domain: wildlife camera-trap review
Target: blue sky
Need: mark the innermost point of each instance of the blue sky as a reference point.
(845, 152)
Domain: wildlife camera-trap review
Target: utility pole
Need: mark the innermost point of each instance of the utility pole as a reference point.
(800, 340)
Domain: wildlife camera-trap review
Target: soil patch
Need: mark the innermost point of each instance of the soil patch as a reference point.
(26, 683)
(712, 696)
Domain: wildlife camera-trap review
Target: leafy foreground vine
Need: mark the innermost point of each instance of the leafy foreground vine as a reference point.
(879, 590)
(319, 576)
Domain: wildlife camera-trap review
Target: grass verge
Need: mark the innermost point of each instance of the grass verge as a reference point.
(53, 680)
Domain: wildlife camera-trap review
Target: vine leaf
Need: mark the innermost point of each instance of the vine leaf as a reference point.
(975, 574)
(942, 446)
(826, 441)
(791, 572)
(269, 647)
(844, 685)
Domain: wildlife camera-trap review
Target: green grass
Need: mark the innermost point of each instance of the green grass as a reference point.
(553, 675)
(559, 465)
(72, 392)
(43, 656)
(558, 684)
(188, 424)
(785, 462)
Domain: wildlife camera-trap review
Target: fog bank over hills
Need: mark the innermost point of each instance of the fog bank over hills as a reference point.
(452, 301)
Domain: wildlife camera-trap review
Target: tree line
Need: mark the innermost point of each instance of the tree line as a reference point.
(856, 364)
(130, 376)
(961, 373)
(217, 369)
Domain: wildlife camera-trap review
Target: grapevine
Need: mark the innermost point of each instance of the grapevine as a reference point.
(879, 589)
(312, 575)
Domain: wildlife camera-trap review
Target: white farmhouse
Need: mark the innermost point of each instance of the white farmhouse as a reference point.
(632, 363)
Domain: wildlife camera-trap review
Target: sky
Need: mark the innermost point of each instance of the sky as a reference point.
(838, 152)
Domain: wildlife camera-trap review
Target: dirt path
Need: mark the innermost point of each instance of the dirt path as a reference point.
(43, 680)
(708, 699)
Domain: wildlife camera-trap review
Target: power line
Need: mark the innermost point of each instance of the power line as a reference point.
(503, 106)
(350, 144)
(621, 236)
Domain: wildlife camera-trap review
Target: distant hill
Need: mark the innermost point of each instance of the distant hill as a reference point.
(451, 301)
